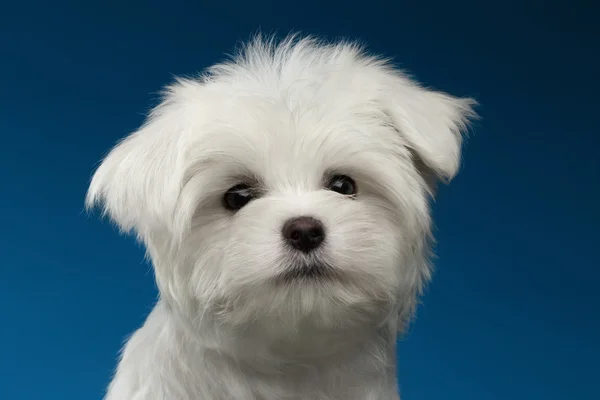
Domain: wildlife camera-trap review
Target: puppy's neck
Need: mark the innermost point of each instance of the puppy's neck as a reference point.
(219, 363)
(269, 342)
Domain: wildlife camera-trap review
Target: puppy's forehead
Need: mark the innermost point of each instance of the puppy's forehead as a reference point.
(295, 137)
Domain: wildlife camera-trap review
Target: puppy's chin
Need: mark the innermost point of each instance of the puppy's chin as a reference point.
(314, 294)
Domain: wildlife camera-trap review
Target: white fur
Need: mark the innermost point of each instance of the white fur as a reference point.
(283, 115)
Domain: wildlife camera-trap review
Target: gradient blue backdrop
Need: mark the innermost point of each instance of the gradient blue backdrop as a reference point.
(513, 309)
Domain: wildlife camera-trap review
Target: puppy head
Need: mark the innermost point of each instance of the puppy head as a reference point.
(288, 184)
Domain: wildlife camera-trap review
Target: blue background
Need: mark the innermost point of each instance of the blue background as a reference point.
(513, 310)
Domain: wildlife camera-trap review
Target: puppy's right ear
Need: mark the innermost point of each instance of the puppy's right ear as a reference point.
(431, 122)
(138, 182)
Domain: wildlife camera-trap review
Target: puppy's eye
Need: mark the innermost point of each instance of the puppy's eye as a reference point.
(237, 197)
(343, 184)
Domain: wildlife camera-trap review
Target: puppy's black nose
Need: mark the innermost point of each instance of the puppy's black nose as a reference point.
(304, 233)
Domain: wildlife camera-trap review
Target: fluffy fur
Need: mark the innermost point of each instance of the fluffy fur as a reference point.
(282, 117)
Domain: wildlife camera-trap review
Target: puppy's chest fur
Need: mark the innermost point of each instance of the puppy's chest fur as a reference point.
(158, 363)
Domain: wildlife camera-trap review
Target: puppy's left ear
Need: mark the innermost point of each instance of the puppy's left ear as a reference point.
(139, 181)
(431, 122)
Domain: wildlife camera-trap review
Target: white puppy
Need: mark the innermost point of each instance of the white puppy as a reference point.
(283, 200)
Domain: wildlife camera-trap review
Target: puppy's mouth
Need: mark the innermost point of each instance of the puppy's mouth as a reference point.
(307, 272)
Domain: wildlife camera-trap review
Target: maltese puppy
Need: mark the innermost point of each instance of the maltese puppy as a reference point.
(282, 197)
